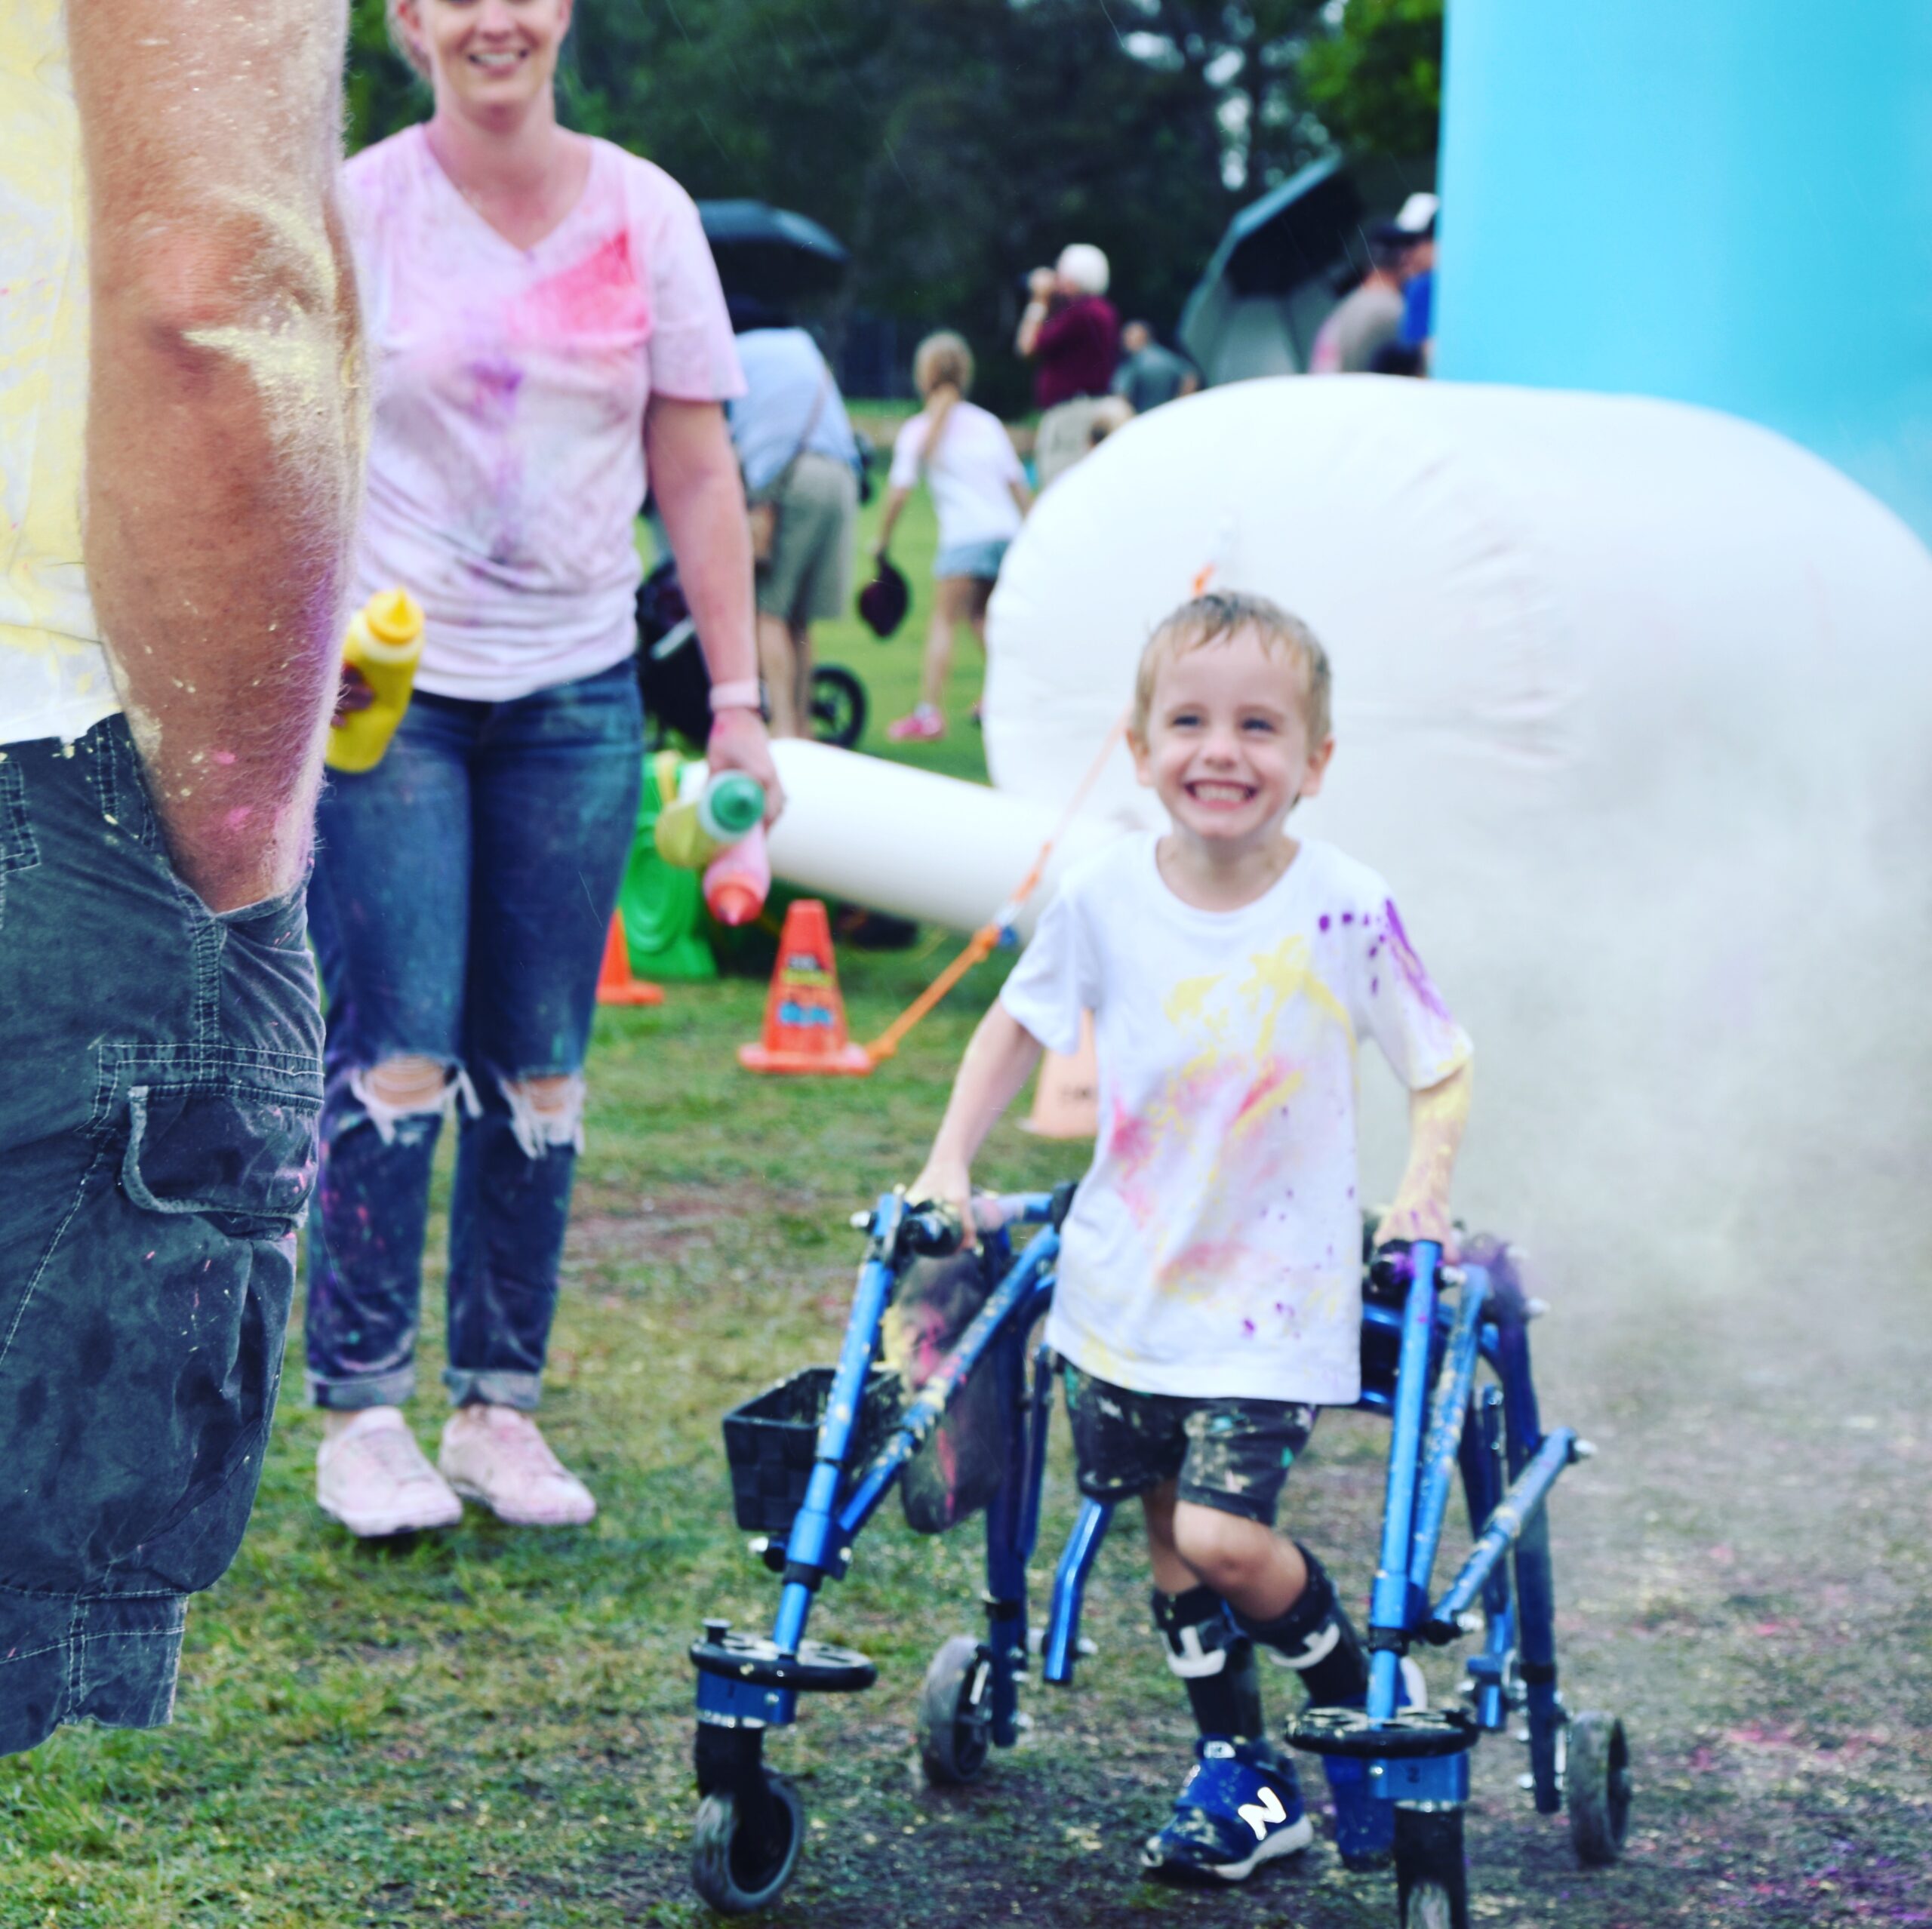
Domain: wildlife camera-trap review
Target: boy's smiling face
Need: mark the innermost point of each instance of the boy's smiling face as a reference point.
(1226, 748)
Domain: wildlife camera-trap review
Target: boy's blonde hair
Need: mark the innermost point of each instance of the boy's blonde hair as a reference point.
(1217, 617)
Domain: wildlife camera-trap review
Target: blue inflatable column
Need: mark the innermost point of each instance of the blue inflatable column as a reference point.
(1724, 202)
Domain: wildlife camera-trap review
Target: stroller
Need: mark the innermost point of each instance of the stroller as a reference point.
(677, 688)
(1445, 1357)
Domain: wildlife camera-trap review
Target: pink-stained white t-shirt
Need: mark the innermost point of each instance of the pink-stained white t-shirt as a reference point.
(507, 466)
(1214, 1247)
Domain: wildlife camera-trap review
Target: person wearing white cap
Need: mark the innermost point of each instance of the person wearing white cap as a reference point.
(1071, 334)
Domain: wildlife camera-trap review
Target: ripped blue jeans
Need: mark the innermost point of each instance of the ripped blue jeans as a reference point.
(462, 892)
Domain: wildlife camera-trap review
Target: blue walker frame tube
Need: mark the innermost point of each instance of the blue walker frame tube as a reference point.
(1390, 1617)
(1439, 1451)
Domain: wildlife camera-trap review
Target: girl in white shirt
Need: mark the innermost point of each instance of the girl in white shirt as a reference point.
(979, 491)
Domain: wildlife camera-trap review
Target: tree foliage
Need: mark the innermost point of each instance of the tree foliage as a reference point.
(952, 144)
(1377, 82)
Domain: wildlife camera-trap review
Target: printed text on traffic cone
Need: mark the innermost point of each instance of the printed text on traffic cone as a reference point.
(804, 1017)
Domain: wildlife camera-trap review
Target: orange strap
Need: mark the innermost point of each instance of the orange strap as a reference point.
(985, 940)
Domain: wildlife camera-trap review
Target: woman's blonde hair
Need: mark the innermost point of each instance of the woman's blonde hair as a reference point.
(942, 361)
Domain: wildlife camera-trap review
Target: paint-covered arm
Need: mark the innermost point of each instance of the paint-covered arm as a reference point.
(701, 497)
(225, 428)
(1437, 1117)
(999, 1060)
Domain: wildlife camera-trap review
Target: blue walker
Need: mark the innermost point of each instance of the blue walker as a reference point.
(1445, 1354)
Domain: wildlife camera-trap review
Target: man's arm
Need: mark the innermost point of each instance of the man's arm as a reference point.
(225, 428)
(701, 497)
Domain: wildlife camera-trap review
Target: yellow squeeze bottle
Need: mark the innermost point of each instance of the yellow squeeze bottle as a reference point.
(385, 644)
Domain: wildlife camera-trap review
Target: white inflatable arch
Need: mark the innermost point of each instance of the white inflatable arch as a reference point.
(1633, 703)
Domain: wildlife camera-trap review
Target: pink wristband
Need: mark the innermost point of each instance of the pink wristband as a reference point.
(742, 694)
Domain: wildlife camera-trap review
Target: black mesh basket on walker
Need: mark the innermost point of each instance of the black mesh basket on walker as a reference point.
(770, 1442)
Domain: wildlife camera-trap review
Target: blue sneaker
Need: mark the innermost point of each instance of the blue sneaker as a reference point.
(1365, 1827)
(1241, 1806)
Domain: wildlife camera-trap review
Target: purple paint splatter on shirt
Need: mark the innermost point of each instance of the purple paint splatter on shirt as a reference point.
(1417, 979)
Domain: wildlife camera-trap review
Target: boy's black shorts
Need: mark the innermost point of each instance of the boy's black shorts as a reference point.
(1232, 1455)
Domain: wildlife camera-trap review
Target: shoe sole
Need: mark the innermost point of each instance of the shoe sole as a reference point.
(387, 1527)
(1290, 1841)
(469, 1492)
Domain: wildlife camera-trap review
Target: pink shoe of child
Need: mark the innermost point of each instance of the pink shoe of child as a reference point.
(372, 1477)
(923, 726)
(496, 1455)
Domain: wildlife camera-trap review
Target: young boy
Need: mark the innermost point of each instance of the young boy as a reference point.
(1209, 1294)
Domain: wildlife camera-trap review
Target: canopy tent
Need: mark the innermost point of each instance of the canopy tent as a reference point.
(772, 252)
(1257, 306)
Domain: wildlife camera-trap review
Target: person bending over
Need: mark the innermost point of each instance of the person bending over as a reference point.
(545, 320)
(1209, 1294)
(178, 380)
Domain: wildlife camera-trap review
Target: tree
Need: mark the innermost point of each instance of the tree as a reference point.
(1377, 81)
(955, 144)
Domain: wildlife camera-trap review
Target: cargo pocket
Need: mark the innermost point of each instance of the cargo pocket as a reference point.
(242, 1157)
(18, 851)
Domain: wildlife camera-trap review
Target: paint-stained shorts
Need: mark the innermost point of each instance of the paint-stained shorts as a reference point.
(1231, 1455)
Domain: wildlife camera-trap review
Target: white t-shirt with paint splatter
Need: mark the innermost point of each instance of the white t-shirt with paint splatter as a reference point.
(507, 463)
(1214, 1250)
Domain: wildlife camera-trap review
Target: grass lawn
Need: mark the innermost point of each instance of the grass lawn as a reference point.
(493, 1727)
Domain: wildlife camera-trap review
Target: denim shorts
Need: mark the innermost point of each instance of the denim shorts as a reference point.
(1231, 1455)
(980, 561)
(163, 1076)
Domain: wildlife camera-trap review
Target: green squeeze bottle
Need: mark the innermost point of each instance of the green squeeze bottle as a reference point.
(709, 815)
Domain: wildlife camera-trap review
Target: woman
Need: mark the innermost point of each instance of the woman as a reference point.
(545, 324)
(979, 491)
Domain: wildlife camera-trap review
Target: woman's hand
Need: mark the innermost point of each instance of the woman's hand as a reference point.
(739, 742)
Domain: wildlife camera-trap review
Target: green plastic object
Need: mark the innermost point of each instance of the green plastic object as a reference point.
(662, 907)
(733, 803)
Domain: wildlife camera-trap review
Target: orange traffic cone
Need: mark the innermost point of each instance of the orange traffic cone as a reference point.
(1066, 1095)
(615, 985)
(804, 1017)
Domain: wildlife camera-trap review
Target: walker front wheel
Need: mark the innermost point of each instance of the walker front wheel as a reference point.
(956, 1713)
(1597, 1788)
(739, 1865)
(1428, 1906)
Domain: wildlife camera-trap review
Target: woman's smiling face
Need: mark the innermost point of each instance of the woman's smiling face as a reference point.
(489, 54)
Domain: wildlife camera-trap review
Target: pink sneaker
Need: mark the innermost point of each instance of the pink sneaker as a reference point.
(496, 1455)
(373, 1478)
(924, 725)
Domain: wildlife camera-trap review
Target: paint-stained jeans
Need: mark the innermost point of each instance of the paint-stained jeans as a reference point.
(463, 890)
(160, 1077)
